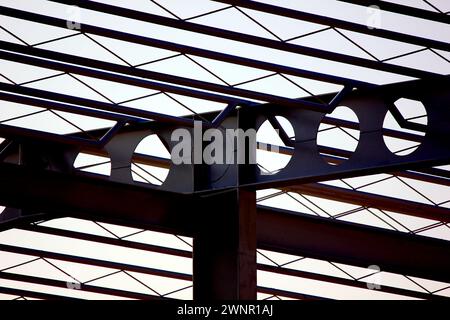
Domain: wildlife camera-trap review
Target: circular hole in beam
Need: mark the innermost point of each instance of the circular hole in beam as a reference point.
(97, 162)
(338, 135)
(151, 161)
(413, 111)
(275, 145)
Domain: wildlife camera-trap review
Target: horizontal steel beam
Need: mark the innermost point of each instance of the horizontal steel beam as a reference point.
(288, 294)
(334, 155)
(94, 262)
(423, 175)
(133, 81)
(87, 197)
(106, 240)
(60, 106)
(336, 23)
(432, 175)
(180, 80)
(221, 33)
(83, 287)
(203, 85)
(132, 114)
(348, 282)
(33, 294)
(402, 9)
(371, 200)
(436, 172)
(13, 132)
(412, 171)
(277, 230)
(350, 243)
(127, 113)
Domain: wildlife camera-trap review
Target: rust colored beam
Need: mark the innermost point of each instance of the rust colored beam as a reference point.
(354, 244)
(278, 230)
(373, 201)
(225, 247)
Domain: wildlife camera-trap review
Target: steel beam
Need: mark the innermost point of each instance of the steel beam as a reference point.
(224, 262)
(105, 240)
(91, 198)
(371, 156)
(277, 230)
(289, 294)
(170, 88)
(53, 65)
(432, 175)
(166, 77)
(371, 200)
(336, 23)
(13, 132)
(348, 282)
(349, 243)
(33, 294)
(436, 172)
(404, 10)
(83, 287)
(94, 262)
(115, 112)
(60, 106)
(118, 112)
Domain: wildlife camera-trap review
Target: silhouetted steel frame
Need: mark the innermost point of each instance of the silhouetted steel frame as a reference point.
(279, 230)
(35, 190)
(221, 33)
(270, 244)
(369, 104)
(226, 34)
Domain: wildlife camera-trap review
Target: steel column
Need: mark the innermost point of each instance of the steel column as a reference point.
(225, 247)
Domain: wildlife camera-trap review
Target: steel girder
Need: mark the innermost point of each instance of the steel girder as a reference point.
(61, 195)
(306, 165)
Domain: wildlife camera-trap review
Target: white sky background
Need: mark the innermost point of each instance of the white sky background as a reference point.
(228, 74)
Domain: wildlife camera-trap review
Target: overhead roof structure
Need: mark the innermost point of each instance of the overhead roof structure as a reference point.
(350, 195)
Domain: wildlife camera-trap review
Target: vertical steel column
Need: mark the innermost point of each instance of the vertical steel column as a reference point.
(225, 247)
